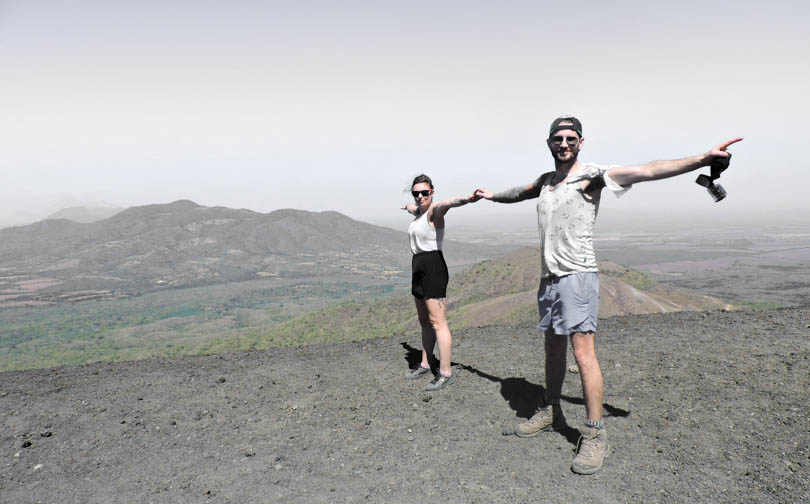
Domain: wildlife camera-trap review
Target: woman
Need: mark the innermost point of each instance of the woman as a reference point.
(429, 278)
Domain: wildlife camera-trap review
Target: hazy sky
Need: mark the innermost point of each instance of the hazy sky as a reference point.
(337, 105)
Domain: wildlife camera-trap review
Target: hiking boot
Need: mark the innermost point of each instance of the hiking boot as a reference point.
(544, 420)
(440, 382)
(593, 448)
(416, 373)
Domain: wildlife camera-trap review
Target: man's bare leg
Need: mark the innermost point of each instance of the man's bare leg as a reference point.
(556, 355)
(593, 443)
(590, 373)
(550, 415)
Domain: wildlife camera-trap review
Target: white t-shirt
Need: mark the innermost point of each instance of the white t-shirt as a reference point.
(565, 219)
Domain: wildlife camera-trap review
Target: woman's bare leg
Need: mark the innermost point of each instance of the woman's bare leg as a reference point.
(436, 313)
(428, 335)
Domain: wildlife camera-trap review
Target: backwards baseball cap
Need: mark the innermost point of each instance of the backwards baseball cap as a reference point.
(571, 123)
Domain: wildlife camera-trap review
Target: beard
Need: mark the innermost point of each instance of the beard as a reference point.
(566, 157)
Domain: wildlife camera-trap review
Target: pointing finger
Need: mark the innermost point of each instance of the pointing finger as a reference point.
(723, 146)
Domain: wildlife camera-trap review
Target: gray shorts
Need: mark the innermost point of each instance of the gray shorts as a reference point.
(569, 303)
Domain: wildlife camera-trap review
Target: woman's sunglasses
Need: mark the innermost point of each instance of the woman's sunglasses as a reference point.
(425, 193)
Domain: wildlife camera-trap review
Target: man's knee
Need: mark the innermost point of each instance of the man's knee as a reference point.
(583, 348)
(584, 356)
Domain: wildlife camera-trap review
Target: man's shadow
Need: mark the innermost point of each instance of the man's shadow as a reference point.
(524, 397)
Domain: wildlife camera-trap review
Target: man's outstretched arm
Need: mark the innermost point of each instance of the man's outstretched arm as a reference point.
(512, 195)
(656, 170)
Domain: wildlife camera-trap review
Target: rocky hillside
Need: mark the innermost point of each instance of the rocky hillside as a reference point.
(510, 284)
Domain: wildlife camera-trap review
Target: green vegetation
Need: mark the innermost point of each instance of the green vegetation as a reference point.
(181, 322)
(758, 305)
(258, 315)
(629, 276)
(348, 321)
(396, 315)
(516, 272)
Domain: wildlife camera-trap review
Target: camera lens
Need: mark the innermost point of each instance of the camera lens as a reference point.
(717, 192)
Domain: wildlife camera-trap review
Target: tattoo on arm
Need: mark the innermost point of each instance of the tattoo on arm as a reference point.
(519, 193)
(456, 201)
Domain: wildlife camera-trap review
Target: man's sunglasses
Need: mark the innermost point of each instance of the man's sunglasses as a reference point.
(570, 140)
(425, 193)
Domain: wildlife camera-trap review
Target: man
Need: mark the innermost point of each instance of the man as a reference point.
(569, 287)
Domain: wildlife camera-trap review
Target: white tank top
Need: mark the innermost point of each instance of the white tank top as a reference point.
(423, 236)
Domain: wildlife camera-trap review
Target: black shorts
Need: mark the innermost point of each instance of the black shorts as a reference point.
(429, 275)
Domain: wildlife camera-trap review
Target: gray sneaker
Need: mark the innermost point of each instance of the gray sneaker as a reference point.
(544, 420)
(416, 373)
(593, 448)
(440, 382)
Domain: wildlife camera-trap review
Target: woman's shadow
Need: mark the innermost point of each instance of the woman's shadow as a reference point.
(524, 397)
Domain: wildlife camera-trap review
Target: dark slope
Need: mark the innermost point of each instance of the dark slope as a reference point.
(702, 407)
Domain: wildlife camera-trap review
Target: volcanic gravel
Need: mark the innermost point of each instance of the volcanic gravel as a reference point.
(700, 407)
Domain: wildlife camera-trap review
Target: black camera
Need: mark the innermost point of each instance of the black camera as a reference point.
(718, 165)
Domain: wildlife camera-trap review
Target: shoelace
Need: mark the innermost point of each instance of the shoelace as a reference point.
(585, 448)
(538, 418)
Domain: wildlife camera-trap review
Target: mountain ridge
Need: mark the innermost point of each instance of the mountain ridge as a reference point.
(84, 214)
(183, 244)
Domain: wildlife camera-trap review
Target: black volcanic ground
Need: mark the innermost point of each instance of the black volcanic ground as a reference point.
(702, 407)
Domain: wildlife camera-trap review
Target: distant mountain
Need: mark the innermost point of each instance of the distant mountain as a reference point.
(182, 244)
(85, 214)
(501, 291)
(22, 210)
